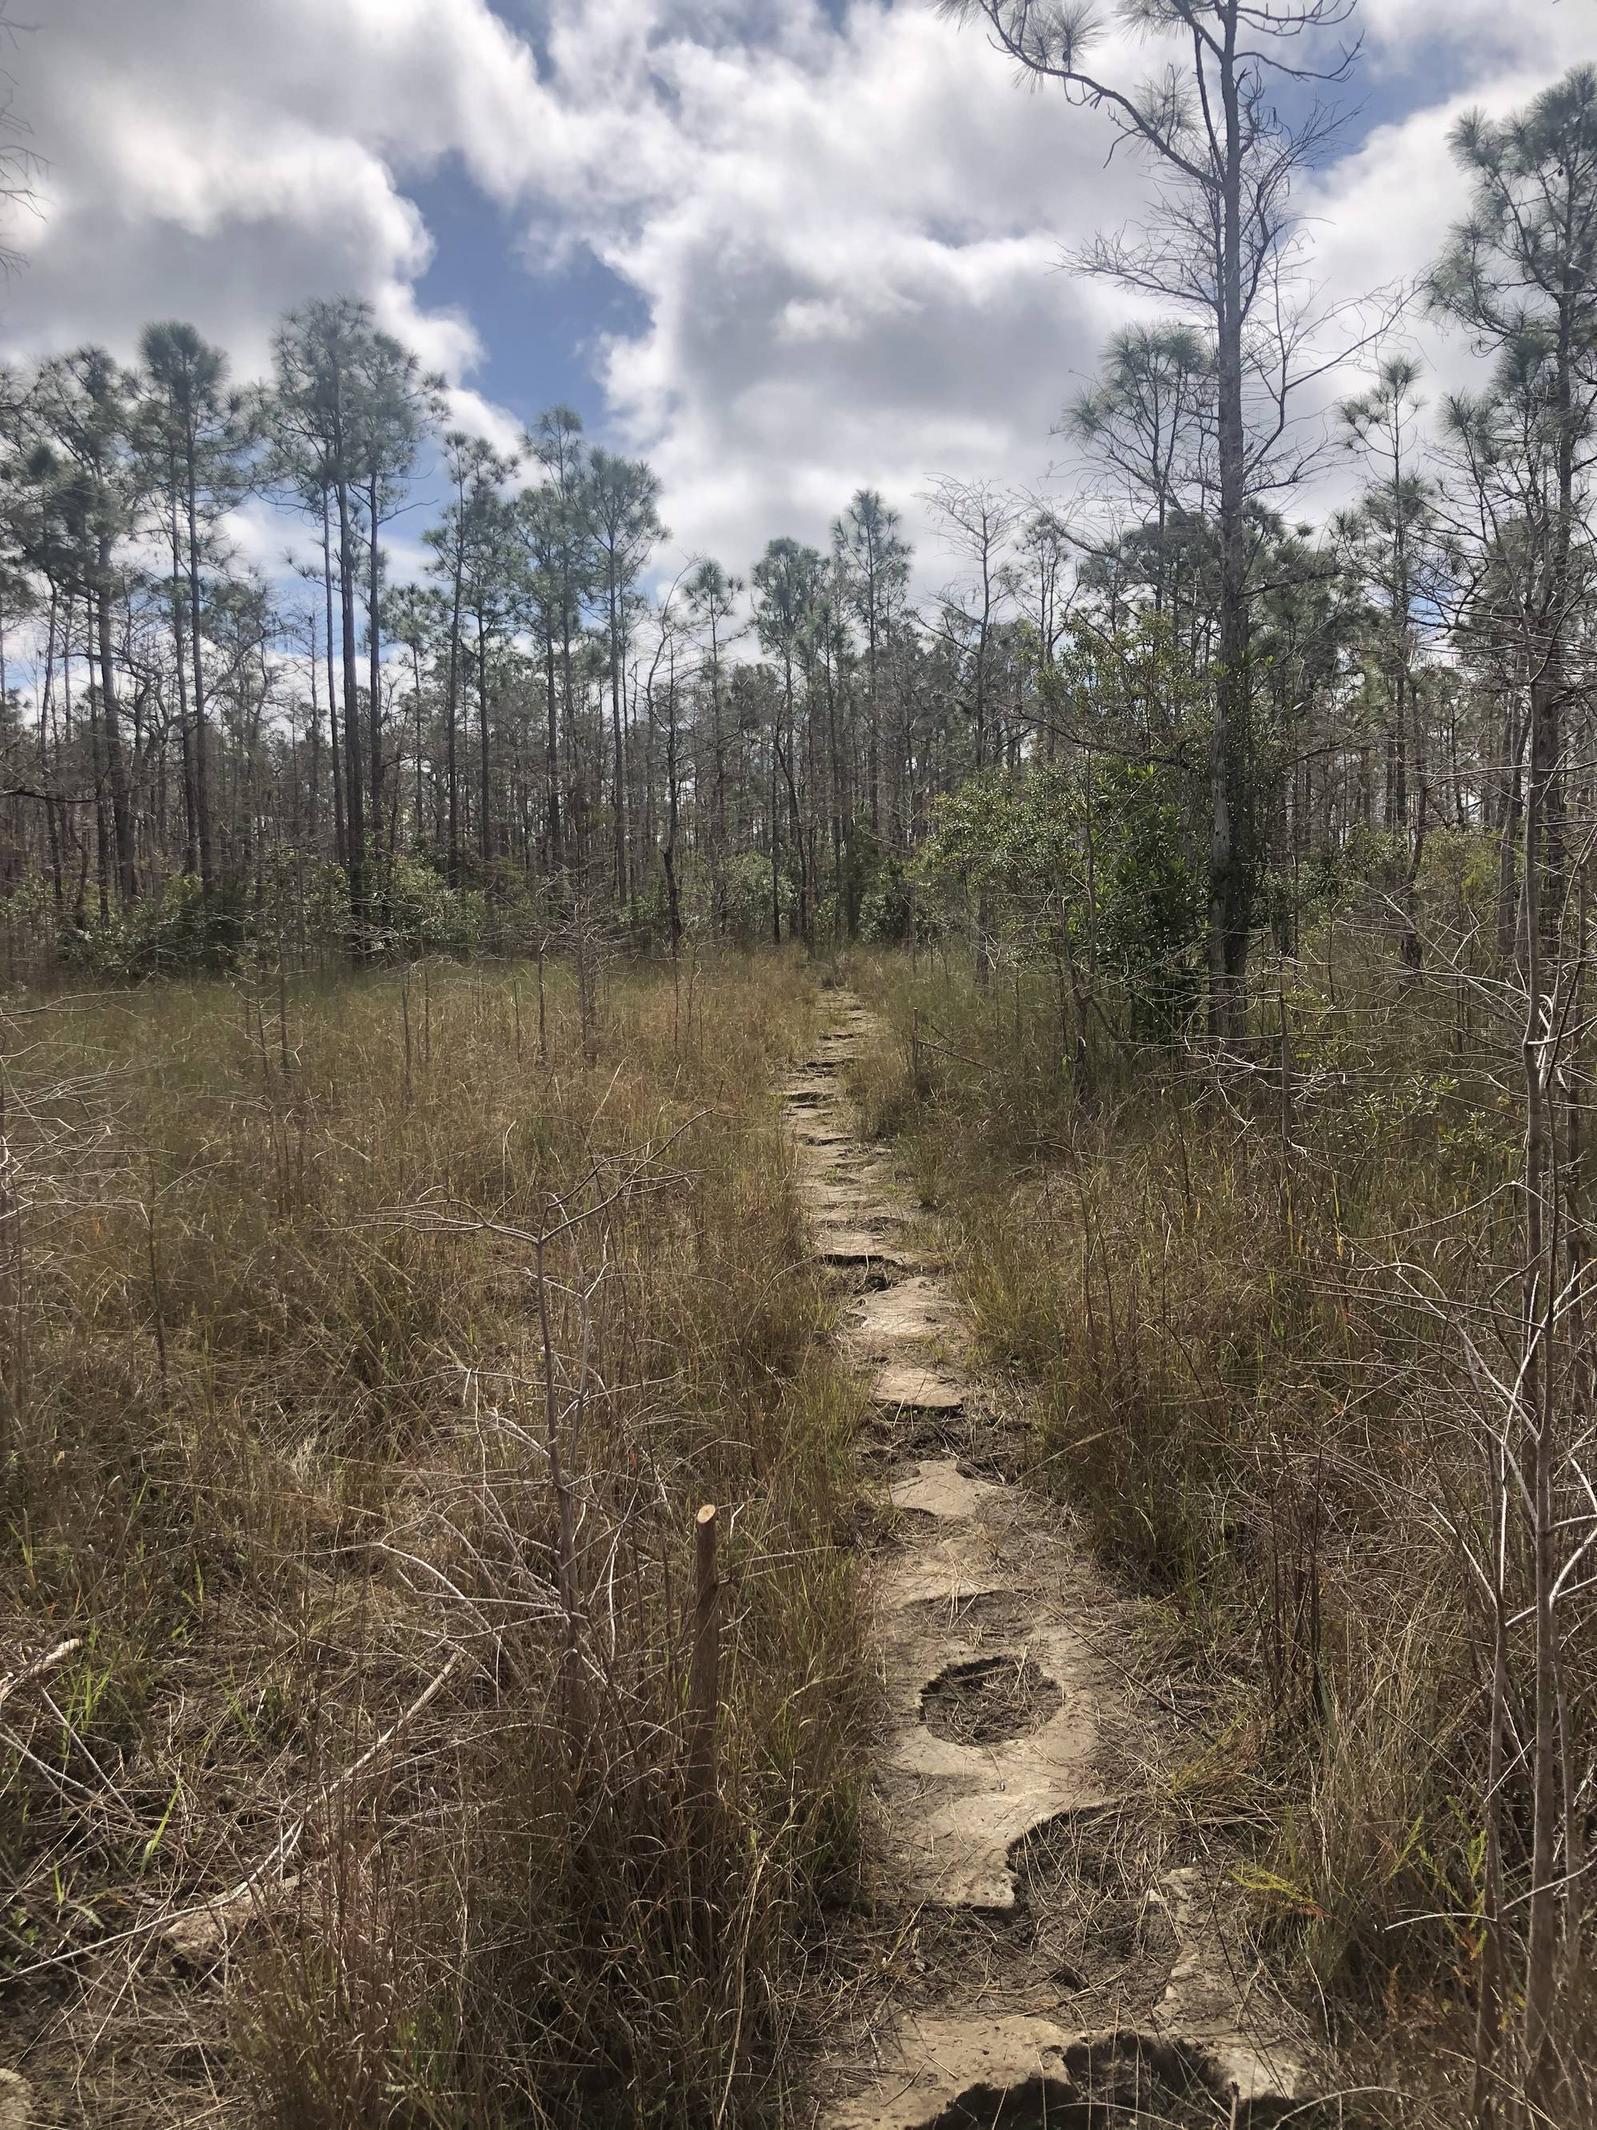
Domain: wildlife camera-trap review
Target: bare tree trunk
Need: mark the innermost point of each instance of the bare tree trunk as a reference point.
(191, 861)
(353, 803)
(1229, 883)
(485, 834)
(621, 835)
(1538, 1406)
(552, 758)
(115, 759)
(202, 768)
(374, 660)
(452, 716)
(340, 825)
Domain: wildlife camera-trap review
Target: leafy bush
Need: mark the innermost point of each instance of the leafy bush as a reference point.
(747, 886)
(177, 931)
(1094, 871)
(885, 907)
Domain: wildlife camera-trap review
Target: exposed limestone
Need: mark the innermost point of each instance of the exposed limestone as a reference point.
(997, 1704)
(934, 2060)
(858, 1202)
(911, 1389)
(815, 1131)
(860, 1249)
(1201, 2003)
(889, 1325)
(942, 1489)
(1019, 2071)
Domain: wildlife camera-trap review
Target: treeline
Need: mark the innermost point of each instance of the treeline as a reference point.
(520, 713)
(763, 752)
(197, 751)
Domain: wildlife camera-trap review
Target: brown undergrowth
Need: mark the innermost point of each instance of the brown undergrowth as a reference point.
(361, 1796)
(1264, 1322)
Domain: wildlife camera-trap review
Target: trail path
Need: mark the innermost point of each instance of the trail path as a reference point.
(1030, 1975)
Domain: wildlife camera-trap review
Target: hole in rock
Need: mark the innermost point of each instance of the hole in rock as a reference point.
(927, 1435)
(909, 1524)
(1094, 2086)
(1040, 2104)
(876, 1277)
(988, 1700)
(859, 1274)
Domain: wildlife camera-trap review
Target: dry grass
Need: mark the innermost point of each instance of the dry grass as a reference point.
(379, 1593)
(1240, 1323)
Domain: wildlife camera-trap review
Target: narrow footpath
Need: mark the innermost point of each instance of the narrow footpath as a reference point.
(1040, 1964)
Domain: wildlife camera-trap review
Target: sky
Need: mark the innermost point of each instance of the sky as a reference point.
(782, 248)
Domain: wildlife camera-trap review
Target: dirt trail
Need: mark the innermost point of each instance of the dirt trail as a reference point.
(1040, 1968)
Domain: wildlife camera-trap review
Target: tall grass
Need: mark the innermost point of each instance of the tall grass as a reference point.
(369, 1349)
(1265, 1320)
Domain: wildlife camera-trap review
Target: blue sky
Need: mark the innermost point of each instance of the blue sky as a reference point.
(540, 324)
(783, 247)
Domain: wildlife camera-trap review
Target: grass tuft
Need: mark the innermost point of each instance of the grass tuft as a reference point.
(1237, 1316)
(364, 1799)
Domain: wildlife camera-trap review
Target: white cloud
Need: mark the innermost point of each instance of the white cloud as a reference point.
(845, 241)
(842, 241)
(223, 160)
(1383, 214)
(1480, 36)
(848, 253)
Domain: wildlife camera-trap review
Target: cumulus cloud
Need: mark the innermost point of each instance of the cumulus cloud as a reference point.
(223, 161)
(1480, 36)
(1383, 213)
(850, 256)
(843, 223)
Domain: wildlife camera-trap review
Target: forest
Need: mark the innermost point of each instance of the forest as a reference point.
(206, 758)
(527, 1055)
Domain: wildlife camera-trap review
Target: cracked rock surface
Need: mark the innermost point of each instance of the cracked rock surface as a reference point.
(1038, 1981)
